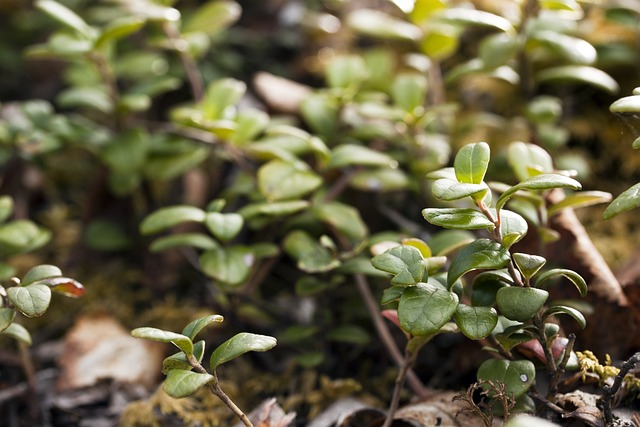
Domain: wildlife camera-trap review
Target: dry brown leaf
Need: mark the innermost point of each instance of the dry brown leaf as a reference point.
(281, 95)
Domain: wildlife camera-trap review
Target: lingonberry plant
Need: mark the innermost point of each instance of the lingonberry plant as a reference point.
(184, 370)
(506, 304)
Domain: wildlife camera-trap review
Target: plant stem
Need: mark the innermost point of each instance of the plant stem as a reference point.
(610, 391)
(552, 368)
(407, 363)
(188, 63)
(385, 336)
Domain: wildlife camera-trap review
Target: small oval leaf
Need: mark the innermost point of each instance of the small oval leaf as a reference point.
(238, 345)
(41, 272)
(181, 383)
(574, 277)
(404, 262)
(471, 162)
(545, 181)
(181, 341)
(475, 322)
(457, 218)
(425, 308)
(193, 328)
(521, 304)
(481, 254)
(32, 300)
(561, 309)
(167, 217)
(518, 376)
(626, 201)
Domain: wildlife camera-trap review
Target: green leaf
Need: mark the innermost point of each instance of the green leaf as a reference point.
(32, 300)
(457, 218)
(95, 98)
(574, 277)
(310, 255)
(471, 163)
(543, 109)
(408, 91)
(446, 241)
(224, 226)
(343, 218)
(404, 262)
(626, 201)
(195, 240)
(440, 41)
(528, 265)
(579, 74)
(193, 328)
(222, 94)
(346, 71)
(579, 200)
(561, 309)
(179, 360)
(181, 383)
(230, 265)
(183, 342)
(119, 28)
(40, 272)
(449, 190)
(65, 16)
(320, 112)
(6, 208)
(351, 334)
(518, 376)
(278, 180)
(238, 345)
(471, 17)
(497, 49)
(275, 209)
(425, 308)
(572, 49)
(213, 17)
(527, 160)
(6, 317)
(481, 254)
(380, 180)
(378, 24)
(21, 236)
(513, 228)
(19, 332)
(167, 217)
(545, 181)
(250, 124)
(636, 144)
(626, 105)
(475, 322)
(357, 155)
(392, 294)
(521, 304)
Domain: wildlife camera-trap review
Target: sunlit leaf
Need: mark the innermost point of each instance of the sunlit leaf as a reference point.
(528, 265)
(6, 207)
(274, 209)
(19, 332)
(574, 50)
(238, 345)
(6, 317)
(513, 227)
(581, 74)
(626, 105)
(629, 199)
(221, 95)
(357, 155)
(118, 29)
(471, 163)
(404, 262)
(195, 240)
(32, 300)
(181, 383)
(65, 16)
(520, 303)
(224, 226)
(179, 360)
(518, 376)
(379, 24)
(213, 17)
(475, 322)
(561, 309)
(526, 158)
(193, 328)
(447, 241)
(346, 71)
(448, 189)
(310, 255)
(230, 265)
(497, 49)
(480, 254)
(425, 308)
(278, 180)
(167, 217)
(579, 200)
(472, 17)
(457, 218)
(408, 91)
(545, 181)
(574, 277)
(40, 272)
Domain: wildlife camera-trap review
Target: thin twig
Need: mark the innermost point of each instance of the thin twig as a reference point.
(610, 391)
(407, 363)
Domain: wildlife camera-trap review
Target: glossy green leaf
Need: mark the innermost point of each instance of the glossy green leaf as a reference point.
(404, 262)
(118, 29)
(40, 272)
(194, 327)
(471, 17)
(513, 227)
(183, 342)
(6, 208)
(179, 360)
(572, 49)
(484, 292)
(310, 255)
(65, 16)
(230, 265)
(392, 294)
(278, 180)
(425, 308)
(545, 181)
(6, 317)
(167, 217)
(213, 17)
(380, 180)
(346, 71)
(195, 240)
(250, 124)
(320, 112)
(457, 218)
(343, 218)
(521, 304)
(19, 332)
(446, 241)
(275, 209)
(496, 49)
(579, 200)
(582, 74)
(222, 94)
(543, 109)
(408, 91)
(95, 98)
(561, 309)
(480, 254)
(471, 163)
(527, 160)
(528, 265)
(440, 41)
(475, 322)
(379, 24)
(626, 105)
(357, 155)
(238, 345)
(518, 376)
(574, 277)
(224, 226)
(181, 383)
(449, 190)
(629, 199)
(32, 300)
